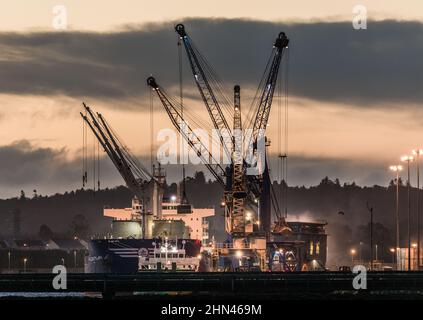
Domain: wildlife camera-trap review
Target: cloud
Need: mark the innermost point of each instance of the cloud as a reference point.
(25, 166)
(328, 61)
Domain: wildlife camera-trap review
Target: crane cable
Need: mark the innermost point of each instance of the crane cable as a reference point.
(282, 159)
(94, 162)
(84, 152)
(215, 82)
(255, 102)
(283, 154)
(98, 165)
(286, 131)
(151, 131)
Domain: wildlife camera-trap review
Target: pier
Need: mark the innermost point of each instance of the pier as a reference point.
(265, 285)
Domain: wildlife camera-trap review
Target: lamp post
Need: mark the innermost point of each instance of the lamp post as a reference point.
(8, 257)
(376, 252)
(397, 169)
(74, 257)
(414, 245)
(353, 252)
(417, 153)
(371, 234)
(25, 261)
(408, 159)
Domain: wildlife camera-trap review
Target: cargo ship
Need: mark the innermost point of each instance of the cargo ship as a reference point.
(173, 242)
(124, 255)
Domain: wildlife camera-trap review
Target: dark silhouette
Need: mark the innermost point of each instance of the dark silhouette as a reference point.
(45, 233)
(343, 206)
(80, 227)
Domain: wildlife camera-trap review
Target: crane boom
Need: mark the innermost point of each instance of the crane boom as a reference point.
(192, 139)
(109, 145)
(265, 102)
(206, 92)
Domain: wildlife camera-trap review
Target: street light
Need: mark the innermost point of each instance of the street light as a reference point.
(25, 260)
(8, 256)
(417, 153)
(414, 246)
(408, 159)
(370, 209)
(353, 252)
(376, 252)
(248, 216)
(397, 169)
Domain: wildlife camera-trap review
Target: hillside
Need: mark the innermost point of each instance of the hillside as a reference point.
(342, 206)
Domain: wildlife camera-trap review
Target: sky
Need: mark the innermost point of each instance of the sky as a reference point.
(354, 95)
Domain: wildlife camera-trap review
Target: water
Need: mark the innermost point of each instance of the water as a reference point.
(42, 295)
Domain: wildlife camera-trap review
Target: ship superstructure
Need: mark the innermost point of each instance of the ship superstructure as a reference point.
(167, 256)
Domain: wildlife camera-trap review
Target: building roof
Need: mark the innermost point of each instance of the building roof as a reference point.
(28, 243)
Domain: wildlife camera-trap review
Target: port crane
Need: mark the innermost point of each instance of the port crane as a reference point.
(257, 186)
(199, 68)
(135, 175)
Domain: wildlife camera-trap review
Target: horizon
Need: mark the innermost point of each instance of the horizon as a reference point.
(351, 122)
(30, 195)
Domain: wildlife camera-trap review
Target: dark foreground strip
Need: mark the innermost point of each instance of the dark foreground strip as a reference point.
(289, 285)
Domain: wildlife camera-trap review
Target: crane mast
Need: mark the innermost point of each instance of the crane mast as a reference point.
(206, 92)
(237, 217)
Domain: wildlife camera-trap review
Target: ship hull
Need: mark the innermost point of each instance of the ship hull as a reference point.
(121, 255)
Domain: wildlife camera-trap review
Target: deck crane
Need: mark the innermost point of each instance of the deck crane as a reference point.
(260, 121)
(204, 78)
(233, 184)
(238, 185)
(258, 186)
(135, 175)
(204, 87)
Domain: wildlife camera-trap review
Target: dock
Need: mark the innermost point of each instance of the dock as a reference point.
(255, 285)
